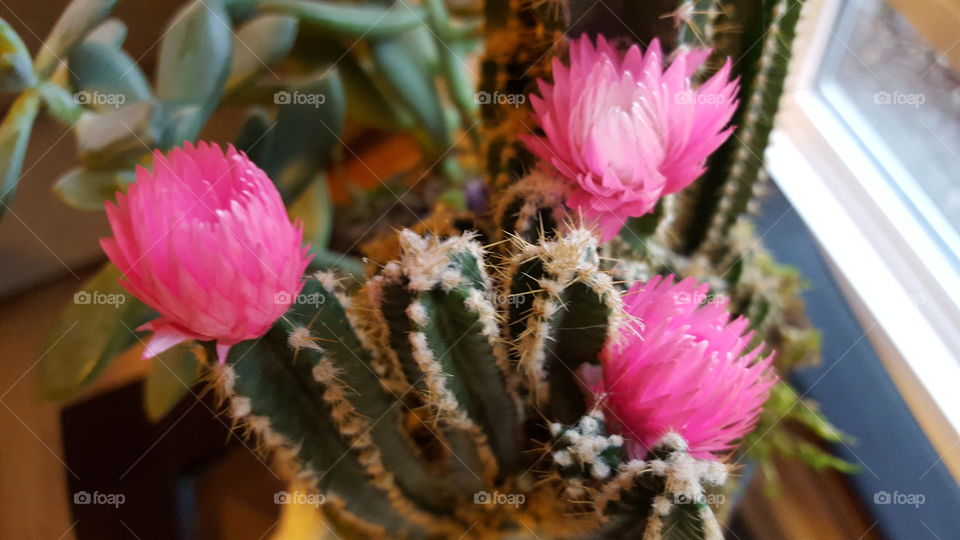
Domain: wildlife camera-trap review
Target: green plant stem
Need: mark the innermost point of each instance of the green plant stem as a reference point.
(452, 68)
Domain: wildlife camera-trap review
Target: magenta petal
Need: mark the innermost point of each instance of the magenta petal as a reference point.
(689, 369)
(625, 128)
(204, 239)
(610, 226)
(164, 338)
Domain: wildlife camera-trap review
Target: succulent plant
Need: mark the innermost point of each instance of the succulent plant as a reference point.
(292, 67)
(438, 398)
(445, 380)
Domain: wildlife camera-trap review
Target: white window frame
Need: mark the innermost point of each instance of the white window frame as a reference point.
(899, 281)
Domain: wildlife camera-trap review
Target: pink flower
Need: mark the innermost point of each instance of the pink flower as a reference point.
(625, 131)
(205, 240)
(690, 370)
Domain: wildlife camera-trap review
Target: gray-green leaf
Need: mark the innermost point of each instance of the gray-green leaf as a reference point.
(104, 77)
(87, 189)
(62, 104)
(194, 61)
(183, 124)
(94, 328)
(411, 79)
(118, 137)
(258, 45)
(256, 127)
(74, 23)
(171, 376)
(349, 20)
(308, 129)
(16, 73)
(315, 209)
(110, 32)
(14, 136)
(366, 103)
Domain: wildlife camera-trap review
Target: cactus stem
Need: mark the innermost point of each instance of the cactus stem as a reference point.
(678, 482)
(373, 333)
(445, 405)
(629, 473)
(356, 429)
(269, 443)
(533, 348)
(425, 258)
(521, 208)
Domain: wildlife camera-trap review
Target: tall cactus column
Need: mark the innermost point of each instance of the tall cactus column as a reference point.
(311, 407)
(522, 37)
(758, 36)
(563, 311)
(444, 332)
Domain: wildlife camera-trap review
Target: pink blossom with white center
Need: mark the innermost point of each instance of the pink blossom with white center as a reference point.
(205, 240)
(626, 130)
(689, 369)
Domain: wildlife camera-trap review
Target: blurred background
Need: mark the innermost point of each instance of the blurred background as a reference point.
(866, 168)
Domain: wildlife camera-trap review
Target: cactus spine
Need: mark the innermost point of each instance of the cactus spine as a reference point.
(408, 391)
(522, 37)
(757, 36)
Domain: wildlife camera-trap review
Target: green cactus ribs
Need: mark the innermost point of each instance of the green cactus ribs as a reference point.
(531, 208)
(758, 37)
(434, 381)
(565, 310)
(670, 494)
(436, 304)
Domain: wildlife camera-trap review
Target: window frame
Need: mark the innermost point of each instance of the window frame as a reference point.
(903, 286)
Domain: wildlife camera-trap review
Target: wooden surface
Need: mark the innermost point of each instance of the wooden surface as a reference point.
(808, 505)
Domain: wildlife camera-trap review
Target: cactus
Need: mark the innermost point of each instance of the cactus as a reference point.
(574, 310)
(529, 207)
(447, 374)
(522, 36)
(758, 36)
(671, 494)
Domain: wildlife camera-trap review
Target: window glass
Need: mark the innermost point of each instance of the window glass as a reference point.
(901, 98)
